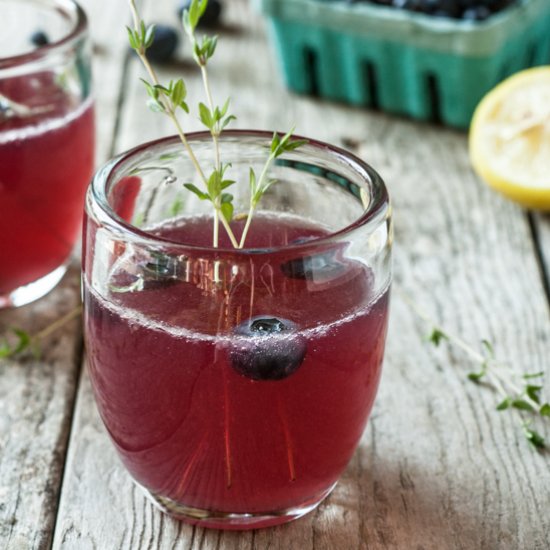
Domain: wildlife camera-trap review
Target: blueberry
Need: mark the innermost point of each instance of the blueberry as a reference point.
(465, 4)
(39, 38)
(312, 267)
(270, 349)
(161, 266)
(429, 6)
(412, 5)
(479, 13)
(164, 45)
(450, 7)
(210, 17)
(476, 10)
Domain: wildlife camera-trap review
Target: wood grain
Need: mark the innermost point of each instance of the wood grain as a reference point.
(541, 227)
(36, 403)
(438, 467)
(466, 256)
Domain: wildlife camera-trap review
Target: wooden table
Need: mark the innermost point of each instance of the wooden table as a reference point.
(437, 467)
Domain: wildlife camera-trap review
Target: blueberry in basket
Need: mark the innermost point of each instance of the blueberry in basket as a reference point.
(164, 45)
(210, 17)
(268, 348)
(468, 10)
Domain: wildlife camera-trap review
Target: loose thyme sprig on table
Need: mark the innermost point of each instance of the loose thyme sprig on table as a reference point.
(520, 393)
(170, 99)
(20, 342)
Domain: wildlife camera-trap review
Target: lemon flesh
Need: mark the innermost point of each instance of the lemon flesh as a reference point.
(509, 138)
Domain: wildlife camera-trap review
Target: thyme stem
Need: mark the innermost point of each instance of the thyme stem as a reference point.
(253, 201)
(216, 228)
(215, 133)
(230, 233)
(246, 226)
(169, 109)
(26, 341)
(58, 323)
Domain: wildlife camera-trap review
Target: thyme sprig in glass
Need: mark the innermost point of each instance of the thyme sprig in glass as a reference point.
(170, 99)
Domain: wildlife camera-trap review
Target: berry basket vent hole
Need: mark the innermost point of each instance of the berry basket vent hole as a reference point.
(371, 84)
(531, 55)
(434, 98)
(503, 73)
(311, 64)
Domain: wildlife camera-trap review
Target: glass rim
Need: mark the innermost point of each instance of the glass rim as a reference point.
(78, 29)
(376, 212)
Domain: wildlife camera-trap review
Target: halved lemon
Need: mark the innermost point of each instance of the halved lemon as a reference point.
(509, 139)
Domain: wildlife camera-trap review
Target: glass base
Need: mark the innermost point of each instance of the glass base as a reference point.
(225, 520)
(31, 292)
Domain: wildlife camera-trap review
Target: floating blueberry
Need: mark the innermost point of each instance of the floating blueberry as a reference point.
(271, 349)
(164, 45)
(39, 38)
(161, 270)
(210, 17)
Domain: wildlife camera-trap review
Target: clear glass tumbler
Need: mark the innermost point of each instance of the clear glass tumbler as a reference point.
(236, 383)
(46, 142)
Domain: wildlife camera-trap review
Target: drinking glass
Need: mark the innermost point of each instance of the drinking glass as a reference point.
(46, 142)
(236, 383)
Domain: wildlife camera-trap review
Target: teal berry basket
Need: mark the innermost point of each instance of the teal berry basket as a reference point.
(429, 68)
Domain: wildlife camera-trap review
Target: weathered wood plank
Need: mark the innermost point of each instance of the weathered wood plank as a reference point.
(466, 255)
(36, 402)
(437, 467)
(541, 223)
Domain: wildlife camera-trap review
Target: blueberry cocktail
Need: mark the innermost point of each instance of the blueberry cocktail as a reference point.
(235, 383)
(46, 143)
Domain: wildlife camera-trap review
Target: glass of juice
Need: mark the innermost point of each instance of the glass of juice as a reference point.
(46, 142)
(235, 383)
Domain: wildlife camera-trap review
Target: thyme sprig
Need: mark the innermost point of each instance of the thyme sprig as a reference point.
(519, 392)
(214, 118)
(258, 186)
(170, 99)
(20, 341)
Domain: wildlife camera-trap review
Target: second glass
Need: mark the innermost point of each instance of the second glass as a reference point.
(46, 142)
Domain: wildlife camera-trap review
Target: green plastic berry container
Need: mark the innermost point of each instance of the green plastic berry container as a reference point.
(429, 68)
